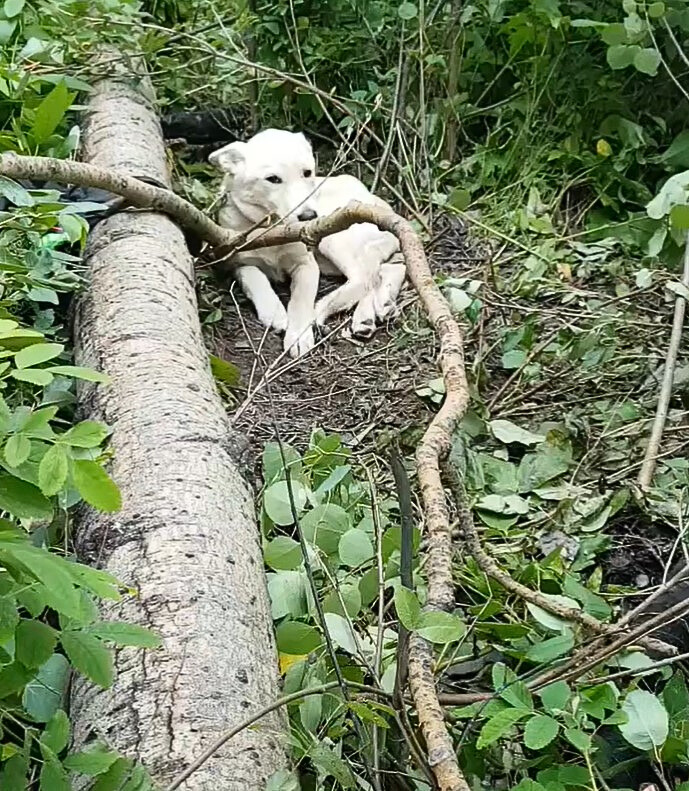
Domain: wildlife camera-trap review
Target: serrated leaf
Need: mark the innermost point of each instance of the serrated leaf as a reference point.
(35, 642)
(53, 777)
(555, 696)
(508, 432)
(407, 607)
(17, 450)
(647, 725)
(87, 434)
(77, 372)
(37, 353)
(277, 504)
(43, 695)
(355, 548)
(295, 637)
(283, 553)
(96, 486)
(53, 470)
(89, 656)
(579, 739)
(56, 734)
(122, 633)
(510, 688)
(91, 762)
(498, 725)
(440, 627)
(34, 376)
(540, 731)
(52, 572)
(23, 500)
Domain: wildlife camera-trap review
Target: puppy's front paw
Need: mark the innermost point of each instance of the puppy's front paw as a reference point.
(322, 313)
(274, 318)
(298, 341)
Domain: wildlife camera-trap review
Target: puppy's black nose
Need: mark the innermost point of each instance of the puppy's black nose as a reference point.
(307, 214)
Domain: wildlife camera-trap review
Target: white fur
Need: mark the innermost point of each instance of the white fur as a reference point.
(368, 257)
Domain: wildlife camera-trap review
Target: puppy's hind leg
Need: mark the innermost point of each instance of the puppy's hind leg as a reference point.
(271, 312)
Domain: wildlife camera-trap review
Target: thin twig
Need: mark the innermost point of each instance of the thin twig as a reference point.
(651, 455)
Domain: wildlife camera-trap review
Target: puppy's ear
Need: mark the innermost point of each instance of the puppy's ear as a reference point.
(303, 140)
(229, 158)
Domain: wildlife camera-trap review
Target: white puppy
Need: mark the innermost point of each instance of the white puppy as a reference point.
(274, 173)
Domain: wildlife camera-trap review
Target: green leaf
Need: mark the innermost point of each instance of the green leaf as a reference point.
(283, 780)
(53, 470)
(510, 688)
(50, 112)
(349, 594)
(7, 28)
(56, 734)
(407, 11)
(75, 371)
(38, 353)
(96, 486)
(676, 698)
(459, 198)
(325, 525)
(87, 434)
(12, 191)
(679, 216)
(295, 637)
(89, 656)
(540, 731)
(620, 56)
(647, 725)
(548, 650)
(440, 627)
(224, 371)
(35, 376)
(341, 632)
(647, 61)
(53, 776)
(329, 764)
(579, 739)
(288, 594)
(499, 725)
(9, 618)
(91, 762)
(407, 607)
(23, 500)
(508, 432)
(656, 10)
(35, 643)
(276, 501)
(355, 548)
(547, 619)
(43, 694)
(52, 572)
(555, 697)
(17, 450)
(273, 468)
(122, 633)
(283, 552)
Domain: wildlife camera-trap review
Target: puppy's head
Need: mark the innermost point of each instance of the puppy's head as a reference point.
(272, 173)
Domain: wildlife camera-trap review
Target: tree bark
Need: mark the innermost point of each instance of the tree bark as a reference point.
(186, 538)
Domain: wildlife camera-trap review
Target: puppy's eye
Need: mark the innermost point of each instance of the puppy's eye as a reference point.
(274, 179)
(308, 174)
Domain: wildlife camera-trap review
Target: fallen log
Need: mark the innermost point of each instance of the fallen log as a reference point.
(186, 538)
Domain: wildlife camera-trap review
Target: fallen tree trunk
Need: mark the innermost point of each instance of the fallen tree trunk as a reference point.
(186, 538)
